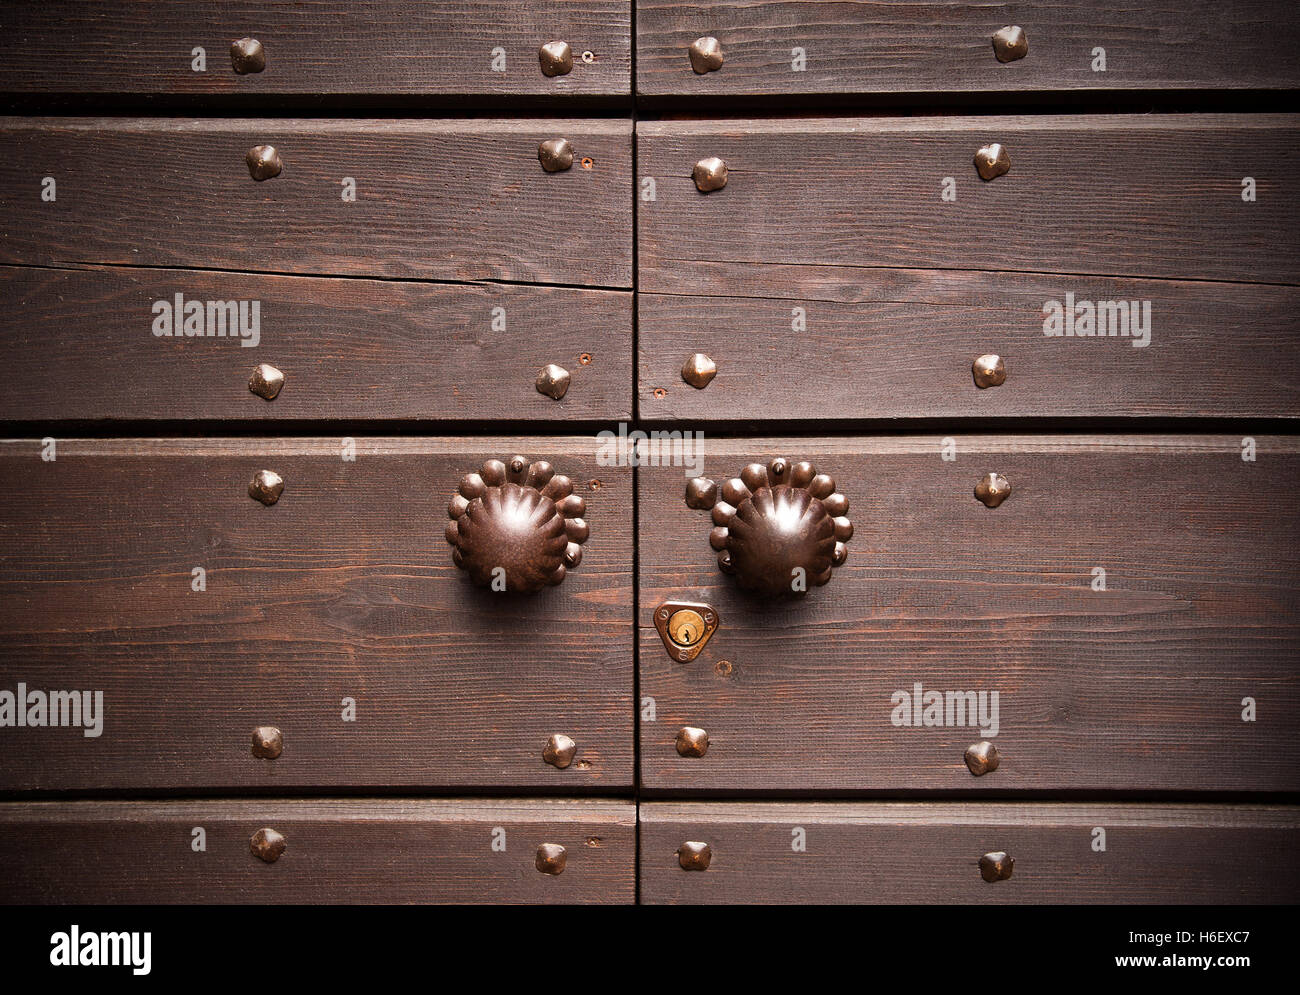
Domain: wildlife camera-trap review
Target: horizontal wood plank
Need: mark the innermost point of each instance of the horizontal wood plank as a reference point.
(358, 47)
(918, 853)
(367, 851)
(83, 343)
(839, 200)
(461, 200)
(900, 46)
(901, 345)
(345, 588)
(1134, 681)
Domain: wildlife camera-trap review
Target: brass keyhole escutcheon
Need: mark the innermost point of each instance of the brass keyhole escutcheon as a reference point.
(685, 627)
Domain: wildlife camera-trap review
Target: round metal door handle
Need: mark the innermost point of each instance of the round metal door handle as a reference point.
(778, 529)
(516, 526)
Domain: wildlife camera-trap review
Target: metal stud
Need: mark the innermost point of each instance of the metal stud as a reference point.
(996, 866)
(710, 174)
(559, 751)
(551, 858)
(982, 758)
(266, 381)
(989, 371)
(553, 381)
(556, 58)
(699, 370)
(701, 493)
(247, 56)
(992, 161)
(555, 155)
(706, 55)
(266, 487)
(264, 162)
(1010, 43)
(268, 742)
(267, 845)
(692, 741)
(993, 489)
(694, 856)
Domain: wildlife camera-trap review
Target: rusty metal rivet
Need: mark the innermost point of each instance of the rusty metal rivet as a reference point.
(692, 741)
(266, 381)
(553, 381)
(723, 668)
(267, 844)
(996, 866)
(989, 371)
(706, 55)
(699, 370)
(584, 359)
(559, 751)
(268, 742)
(659, 393)
(1010, 43)
(701, 493)
(551, 858)
(993, 489)
(556, 58)
(992, 161)
(264, 162)
(982, 757)
(247, 56)
(555, 155)
(266, 487)
(588, 162)
(694, 856)
(710, 174)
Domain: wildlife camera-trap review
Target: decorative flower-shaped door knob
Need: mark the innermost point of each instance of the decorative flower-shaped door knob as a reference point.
(779, 529)
(516, 525)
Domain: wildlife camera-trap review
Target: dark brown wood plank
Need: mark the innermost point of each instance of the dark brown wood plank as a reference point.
(901, 345)
(1137, 687)
(81, 344)
(366, 47)
(898, 46)
(901, 853)
(812, 202)
(343, 589)
(437, 200)
(377, 851)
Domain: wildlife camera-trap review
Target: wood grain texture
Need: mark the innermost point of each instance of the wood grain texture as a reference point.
(1138, 687)
(816, 204)
(902, 46)
(900, 853)
(78, 343)
(371, 851)
(435, 200)
(368, 47)
(344, 588)
(901, 345)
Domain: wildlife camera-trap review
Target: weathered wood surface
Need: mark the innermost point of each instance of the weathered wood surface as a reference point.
(901, 344)
(1139, 687)
(379, 851)
(343, 589)
(830, 207)
(900, 853)
(900, 46)
(461, 200)
(80, 343)
(322, 49)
